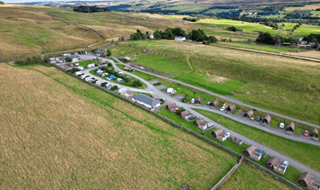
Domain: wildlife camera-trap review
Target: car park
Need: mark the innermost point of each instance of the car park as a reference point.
(281, 125)
(259, 118)
(306, 133)
(193, 117)
(192, 101)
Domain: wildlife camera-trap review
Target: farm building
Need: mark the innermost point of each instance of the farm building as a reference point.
(290, 127)
(305, 180)
(314, 133)
(145, 101)
(272, 163)
(201, 123)
(231, 108)
(180, 38)
(249, 151)
(217, 132)
(185, 114)
(266, 119)
(171, 107)
(236, 141)
(198, 100)
(215, 103)
(249, 114)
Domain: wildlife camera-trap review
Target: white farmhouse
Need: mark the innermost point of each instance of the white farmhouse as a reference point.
(180, 38)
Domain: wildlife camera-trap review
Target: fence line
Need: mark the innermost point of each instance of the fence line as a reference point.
(289, 183)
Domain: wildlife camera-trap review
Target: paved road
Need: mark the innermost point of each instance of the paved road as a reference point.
(225, 97)
(152, 90)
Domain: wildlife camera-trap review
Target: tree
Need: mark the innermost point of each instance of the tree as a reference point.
(212, 39)
(137, 83)
(109, 53)
(68, 59)
(232, 28)
(198, 35)
(178, 32)
(185, 98)
(1, 2)
(115, 87)
(265, 38)
(168, 34)
(157, 35)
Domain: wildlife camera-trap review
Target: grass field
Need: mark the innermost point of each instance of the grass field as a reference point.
(71, 135)
(263, 47)
(249, 177)
(306, 153)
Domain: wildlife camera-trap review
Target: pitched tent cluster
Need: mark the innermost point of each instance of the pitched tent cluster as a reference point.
(250, 150)
(200, 122)
(215, 103)
(272, 163)
(185, 114)
(231, 108)
(171, 107)
(314, 133)
(266, 119)
(249, 114)
(217, 132)
(198, 100)
(305, 180)
(290, 127)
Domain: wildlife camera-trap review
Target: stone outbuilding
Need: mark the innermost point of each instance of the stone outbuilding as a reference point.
(185, 114)
(172, 106)
(215, 103)
(272, 163)
(290, 127)
(217, 132)
(314, 133)
(266, 119)
(231, 108)
(250, 150)
(305, 180)
(249, 114)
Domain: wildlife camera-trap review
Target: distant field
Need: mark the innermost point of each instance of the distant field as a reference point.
(263, 47)
(249, 177)
(78, 137)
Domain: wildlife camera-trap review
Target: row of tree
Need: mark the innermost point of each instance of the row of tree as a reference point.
(267, 38)
(90, 9)
(33, 60)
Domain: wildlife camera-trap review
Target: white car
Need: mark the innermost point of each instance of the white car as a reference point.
(210, 125)
(192, 101)
(281, 125)
(227, 135)
(284, 164)
(222, 108)
(108, 79)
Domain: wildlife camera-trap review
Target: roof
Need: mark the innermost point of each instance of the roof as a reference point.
(249, 150)
(274, 161)
(217, 132)
(198, 99)
(215, 103)
(200, 122)
(267, 119)
(171, 106)
(314, 131)
(290, 126)
(305, 179)
(232, 107)
(185, 113)
(249, 113)
(146, 99)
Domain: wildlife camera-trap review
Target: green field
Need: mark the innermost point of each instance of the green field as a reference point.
(307, 153)
(264, 47)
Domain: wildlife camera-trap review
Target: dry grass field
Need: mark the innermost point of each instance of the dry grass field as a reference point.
(59, 133)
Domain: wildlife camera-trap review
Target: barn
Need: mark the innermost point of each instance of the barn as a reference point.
(217, 132)
(266, 119)
(272, 163)
(249, 114)
(250, 150)
(290, 127)
(231, 108)
(305, 180)
(314, 133)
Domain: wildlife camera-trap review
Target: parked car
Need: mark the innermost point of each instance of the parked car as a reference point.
(193, 117)
(259, 118)
(208, 103)
(222, 109)
(227, 135)
(192, 101)
(209, 125)
(306, 133)
(281, 125)
(108, 79)
(284, 164)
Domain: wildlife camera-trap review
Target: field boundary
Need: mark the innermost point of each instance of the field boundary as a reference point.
(289, 183)
(225, 177)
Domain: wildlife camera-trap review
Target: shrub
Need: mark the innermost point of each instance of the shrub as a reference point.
(32, 60)
(68, 59)
(73, 70)
(115, 87)
(104, 84)
(109, 53)
(212, 39)
(181, 109)
(232, 28)
(185, 98)
(137, 83)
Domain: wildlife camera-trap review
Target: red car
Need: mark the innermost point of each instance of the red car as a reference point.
(306, 133)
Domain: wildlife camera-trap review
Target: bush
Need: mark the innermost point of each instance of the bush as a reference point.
(104, 84)
(137, 83)
(181, 109)
(266, 38)
(115, 87)
(212, 39)
(73, 70)
(185, 98)
(232, 28)
(157, 84)
(109, 53)
(32, 60)
(68, 59)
